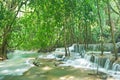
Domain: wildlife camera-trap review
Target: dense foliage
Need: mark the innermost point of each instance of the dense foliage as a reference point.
(45, 24)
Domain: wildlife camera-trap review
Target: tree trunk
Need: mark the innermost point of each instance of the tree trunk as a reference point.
(85, 37)
(65, 44)
(3, 51)
(112, 31)
(100, 23)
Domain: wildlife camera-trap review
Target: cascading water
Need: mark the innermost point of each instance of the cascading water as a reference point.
(96, 60)
(100, 63)
(19, 62)
(87, 64)
(87, 57)
(107, 63)
(115, 67)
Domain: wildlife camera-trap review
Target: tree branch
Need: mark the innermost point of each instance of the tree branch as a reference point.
(25, 11)
(19, 7)
(117, 5)
(114, 10)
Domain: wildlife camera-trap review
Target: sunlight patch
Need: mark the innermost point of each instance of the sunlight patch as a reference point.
(46, 68)
(67, 78)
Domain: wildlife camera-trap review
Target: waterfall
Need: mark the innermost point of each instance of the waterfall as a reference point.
(107, 64)
(82, 52)
(115, 67)
(87, 57)
(96, 60)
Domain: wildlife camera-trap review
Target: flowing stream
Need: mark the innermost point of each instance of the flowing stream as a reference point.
(20, 61)
(87, 64)
(17, 64)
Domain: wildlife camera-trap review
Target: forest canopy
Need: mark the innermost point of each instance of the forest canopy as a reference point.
(47, 24)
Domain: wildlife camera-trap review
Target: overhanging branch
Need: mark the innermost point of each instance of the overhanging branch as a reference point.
(114, 10)
(19, 7)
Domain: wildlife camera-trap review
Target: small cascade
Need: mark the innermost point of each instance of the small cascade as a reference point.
(96, 60)
(82, 52)
(95, 47)
(92, 60)
(87, 57)
(116, 67)
(107, 64)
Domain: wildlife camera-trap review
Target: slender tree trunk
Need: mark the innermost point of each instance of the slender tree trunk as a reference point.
(71, 35)
(85, 37)
(86, 28)
(3, 51)
(100, 23)
(112, 31)
(65, 43)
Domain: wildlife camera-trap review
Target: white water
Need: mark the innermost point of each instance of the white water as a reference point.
(78, 62)
(16, 65)
(86, 64)
(107, 64)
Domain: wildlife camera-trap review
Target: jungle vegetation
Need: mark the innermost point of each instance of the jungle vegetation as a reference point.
(46, 24)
